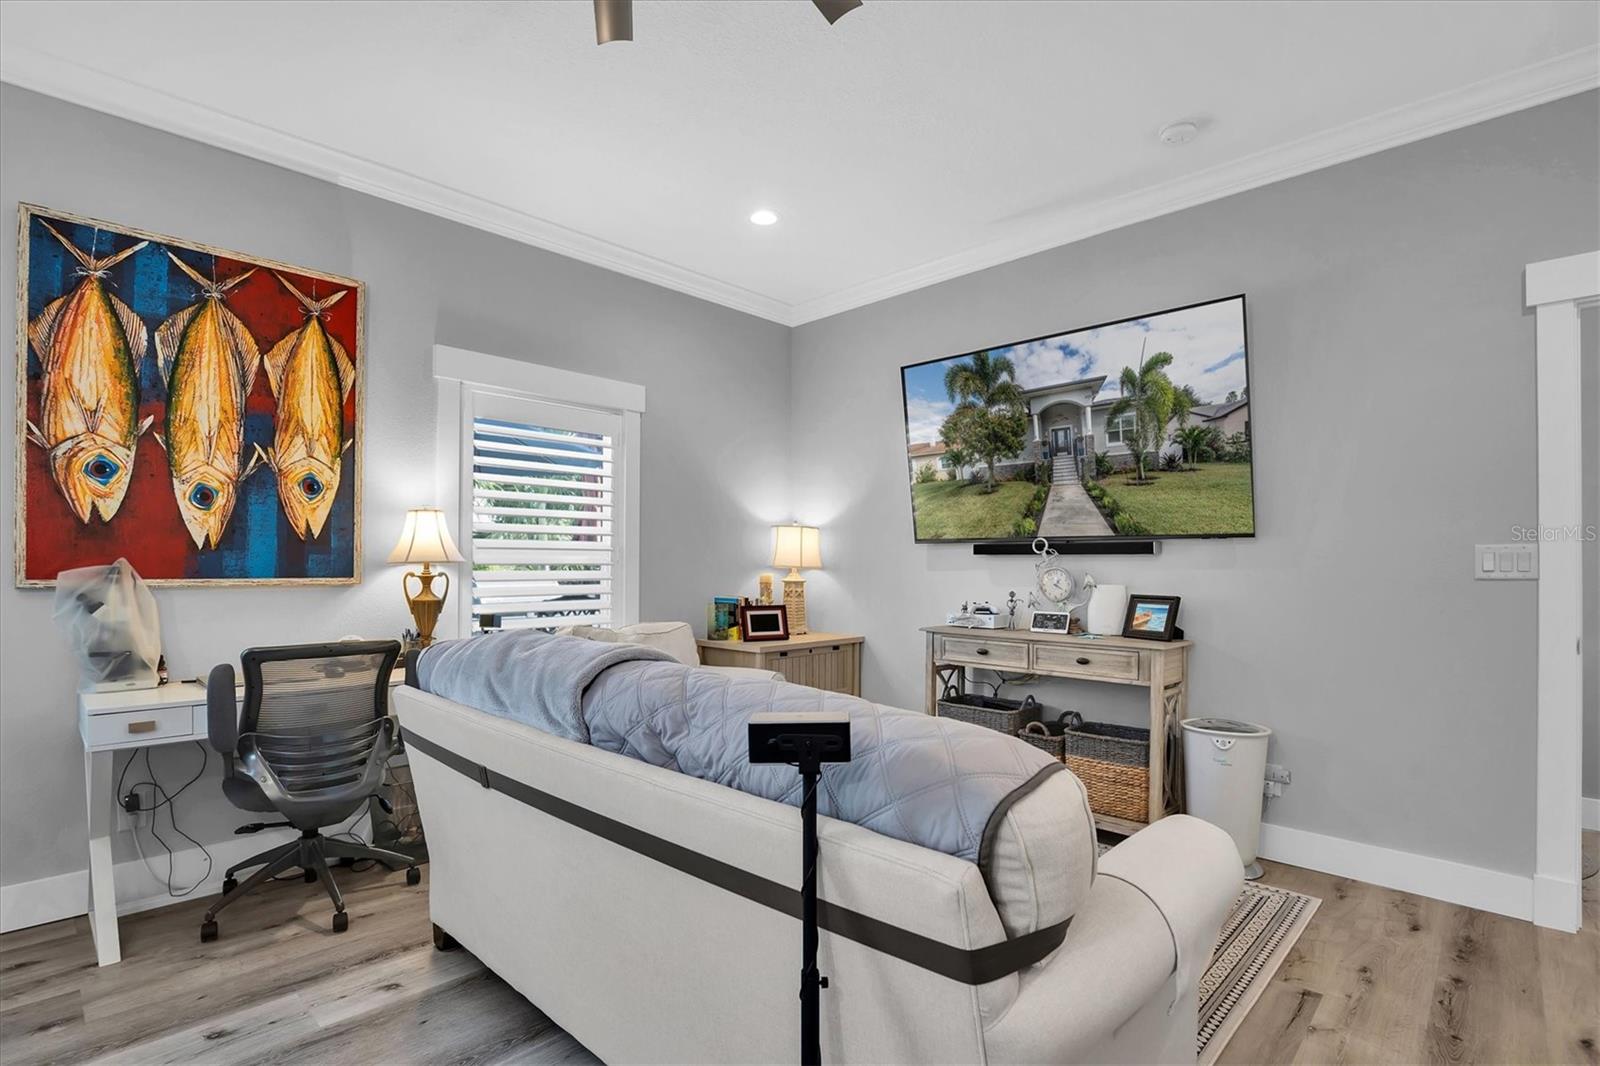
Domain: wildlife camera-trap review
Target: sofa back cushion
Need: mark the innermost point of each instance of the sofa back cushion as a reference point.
(1038, 854)
(674, 638)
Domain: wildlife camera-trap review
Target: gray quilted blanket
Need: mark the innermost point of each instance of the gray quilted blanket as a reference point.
(928, 781)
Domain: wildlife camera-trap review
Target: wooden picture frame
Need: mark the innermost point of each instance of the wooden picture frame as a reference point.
(195, 516)
(762, 621)
(1152, 618)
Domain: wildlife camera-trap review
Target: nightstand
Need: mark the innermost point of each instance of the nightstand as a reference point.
(830, 661)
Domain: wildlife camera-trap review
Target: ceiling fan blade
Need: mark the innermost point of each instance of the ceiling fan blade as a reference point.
(613, 21)
(834, 10)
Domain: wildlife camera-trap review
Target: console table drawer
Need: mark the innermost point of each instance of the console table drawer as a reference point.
(1086, 662)
(133, 727)
(991, 654)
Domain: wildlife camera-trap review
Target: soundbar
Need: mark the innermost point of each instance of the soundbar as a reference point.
(1064, 546)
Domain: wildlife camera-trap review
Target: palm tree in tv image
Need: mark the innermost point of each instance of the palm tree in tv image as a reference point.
(990, 420)
(1148, 393)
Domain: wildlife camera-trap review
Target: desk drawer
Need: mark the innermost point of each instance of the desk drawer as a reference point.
(991, 654)
(1087, 661)
(133, 727)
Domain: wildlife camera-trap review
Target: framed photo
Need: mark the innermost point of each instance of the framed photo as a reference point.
(1152, 618)
(193, 410)
(764, 622)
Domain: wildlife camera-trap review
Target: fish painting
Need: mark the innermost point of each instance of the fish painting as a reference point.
(159, 379)
(208, 361)
(310, 375)
(89, 345)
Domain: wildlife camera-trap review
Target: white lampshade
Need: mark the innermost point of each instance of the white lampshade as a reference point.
(797, 546)
(425, 539)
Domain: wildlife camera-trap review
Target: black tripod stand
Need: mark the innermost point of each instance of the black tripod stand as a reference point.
(806, 741)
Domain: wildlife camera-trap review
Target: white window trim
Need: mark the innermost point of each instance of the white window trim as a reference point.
(1557, 290)
(1111, 422)
(458, 373)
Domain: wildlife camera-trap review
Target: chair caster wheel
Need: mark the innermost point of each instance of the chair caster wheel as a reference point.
(341, 921)
(413, 876)
(229, 884)
(208, 932)
(311, 875)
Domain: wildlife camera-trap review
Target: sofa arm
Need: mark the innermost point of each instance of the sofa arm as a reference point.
(1190, 870)
(737, 672)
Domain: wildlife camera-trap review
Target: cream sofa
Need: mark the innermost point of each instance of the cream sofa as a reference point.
(645, 962)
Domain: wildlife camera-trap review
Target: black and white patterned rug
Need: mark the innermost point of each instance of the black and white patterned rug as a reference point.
(1256, 937)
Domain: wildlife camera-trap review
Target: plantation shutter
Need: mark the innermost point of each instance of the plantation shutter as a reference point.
(540, 497)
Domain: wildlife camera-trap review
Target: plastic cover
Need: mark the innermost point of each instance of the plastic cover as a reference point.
(109, 615)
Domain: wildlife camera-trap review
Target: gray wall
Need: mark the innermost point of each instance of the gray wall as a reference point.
(1386, 335)
(1393, 412)
(706, 506)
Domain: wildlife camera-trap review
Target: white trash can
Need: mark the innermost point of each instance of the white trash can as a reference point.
(1225, 766)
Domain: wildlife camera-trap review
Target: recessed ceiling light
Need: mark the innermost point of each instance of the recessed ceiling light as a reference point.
(764, 217)
(1178, 133)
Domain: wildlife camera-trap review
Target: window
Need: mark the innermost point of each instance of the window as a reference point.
(1119, 430)
(544, 472)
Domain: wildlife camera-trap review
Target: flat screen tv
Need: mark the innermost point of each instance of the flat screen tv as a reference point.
(1135, 429)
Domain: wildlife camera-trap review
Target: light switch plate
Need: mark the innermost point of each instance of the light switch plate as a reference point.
(1506, 562)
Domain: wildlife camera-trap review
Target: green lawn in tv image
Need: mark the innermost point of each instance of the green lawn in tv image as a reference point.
(1139, 428)
(1212, 499)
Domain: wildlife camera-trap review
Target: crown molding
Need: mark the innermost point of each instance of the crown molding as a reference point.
(34, 70)
(1529, 86)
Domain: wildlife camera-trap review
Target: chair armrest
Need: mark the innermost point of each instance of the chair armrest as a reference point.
(222, 710)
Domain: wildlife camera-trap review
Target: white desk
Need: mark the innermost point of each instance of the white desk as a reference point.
(110, 722)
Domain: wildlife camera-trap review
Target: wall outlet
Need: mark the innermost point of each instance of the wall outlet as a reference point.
(1277, 774)
(128, 821)
(1272, 789)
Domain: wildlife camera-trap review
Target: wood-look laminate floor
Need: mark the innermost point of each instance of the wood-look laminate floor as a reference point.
(1379, 976)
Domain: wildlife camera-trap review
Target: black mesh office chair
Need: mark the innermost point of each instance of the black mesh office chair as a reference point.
(310, 742)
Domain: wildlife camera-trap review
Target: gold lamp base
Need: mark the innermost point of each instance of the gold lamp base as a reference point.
(426, 605)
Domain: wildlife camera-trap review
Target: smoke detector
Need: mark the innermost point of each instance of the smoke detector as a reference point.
(1178, 133)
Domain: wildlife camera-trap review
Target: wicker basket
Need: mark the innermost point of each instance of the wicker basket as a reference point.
(1038, 734)
(1113, 762)
(991, 712)
(1115, 790)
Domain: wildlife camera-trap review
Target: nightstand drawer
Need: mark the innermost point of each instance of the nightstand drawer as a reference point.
(134, 727)
(1087, 661)
(992, 654)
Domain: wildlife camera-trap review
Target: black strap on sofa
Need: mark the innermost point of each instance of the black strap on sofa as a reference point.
(973, 966)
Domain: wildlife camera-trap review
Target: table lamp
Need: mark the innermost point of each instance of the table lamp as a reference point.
(425, 540)
(796, 547)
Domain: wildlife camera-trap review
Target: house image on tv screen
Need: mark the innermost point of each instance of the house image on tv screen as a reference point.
(1138, 428)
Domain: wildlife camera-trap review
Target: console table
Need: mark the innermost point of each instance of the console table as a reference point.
(1160, 667)
(830, 661)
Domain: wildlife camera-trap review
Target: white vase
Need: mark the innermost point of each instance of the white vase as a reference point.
(1107, 608)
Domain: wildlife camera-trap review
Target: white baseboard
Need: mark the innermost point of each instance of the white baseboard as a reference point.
(1591, 813)
(1453, 882)
(50, 899)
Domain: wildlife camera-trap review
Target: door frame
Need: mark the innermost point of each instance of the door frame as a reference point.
(1068, 430)
(1556, 290)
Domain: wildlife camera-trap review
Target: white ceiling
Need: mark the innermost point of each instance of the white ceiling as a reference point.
(911, 142)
